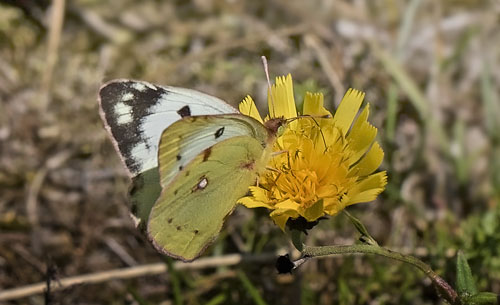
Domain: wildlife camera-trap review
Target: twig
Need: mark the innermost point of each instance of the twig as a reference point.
(321, 55)
(235, 43)
(100, 26)
(131, 272)
(56, 24)
(36, 185)
(443, 287)
(120, 251)
(32, 199)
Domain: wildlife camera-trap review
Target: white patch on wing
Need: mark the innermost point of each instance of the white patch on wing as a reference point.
(151, 86)
(127, 96)
(142, 155)
(139, 86)
(123, 113)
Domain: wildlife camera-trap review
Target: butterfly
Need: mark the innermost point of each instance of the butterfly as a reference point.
(190, 156)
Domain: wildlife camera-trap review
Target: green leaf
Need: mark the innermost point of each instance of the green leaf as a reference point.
(176, 282)
(251, 289)
(483, 298)
(465, 282)
(365, 236)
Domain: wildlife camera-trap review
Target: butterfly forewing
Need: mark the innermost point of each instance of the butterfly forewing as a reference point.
(136, 113)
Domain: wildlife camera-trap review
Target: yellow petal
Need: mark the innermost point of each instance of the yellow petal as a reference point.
(247, 107)
(280, 220)
(334, 209)
(259, 194)
(251, 203)
(313, 105)
(367, 189)
(369, 163)
(361, 135)
(281, 100)
(347, 110)
(280, 217)
(288, 205)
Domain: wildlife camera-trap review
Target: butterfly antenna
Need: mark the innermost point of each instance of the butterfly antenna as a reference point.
(269, 88)
(321, 132)
(313, 117)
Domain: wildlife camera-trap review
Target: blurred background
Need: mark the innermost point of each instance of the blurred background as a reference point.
(430, 69)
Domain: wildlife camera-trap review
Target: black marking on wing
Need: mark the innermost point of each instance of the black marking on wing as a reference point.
(129, 135)
(179, 157)
(219, 132)
(206, 153)
(184, 111)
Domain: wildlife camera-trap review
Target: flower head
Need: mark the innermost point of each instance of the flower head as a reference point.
(321, 163)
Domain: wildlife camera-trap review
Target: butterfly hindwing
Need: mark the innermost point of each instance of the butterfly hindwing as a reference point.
(137, 112)
(191, 209)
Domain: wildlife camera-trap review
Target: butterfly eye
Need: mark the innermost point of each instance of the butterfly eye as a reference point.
(281, 130)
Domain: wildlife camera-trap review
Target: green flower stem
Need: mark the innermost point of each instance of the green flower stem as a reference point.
(444, 289)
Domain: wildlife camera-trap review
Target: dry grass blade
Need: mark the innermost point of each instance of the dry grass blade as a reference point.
(56, 25)
(136, 271)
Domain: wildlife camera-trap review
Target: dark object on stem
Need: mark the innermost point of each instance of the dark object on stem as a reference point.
(284, 264)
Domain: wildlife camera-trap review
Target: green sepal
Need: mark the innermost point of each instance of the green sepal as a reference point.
(297, 239)
(466, 286)
(365, 237)
(315, 211)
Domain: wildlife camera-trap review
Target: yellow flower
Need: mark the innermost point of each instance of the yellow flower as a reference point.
(321, 164)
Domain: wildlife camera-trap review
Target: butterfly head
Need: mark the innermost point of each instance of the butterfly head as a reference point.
(275, 125)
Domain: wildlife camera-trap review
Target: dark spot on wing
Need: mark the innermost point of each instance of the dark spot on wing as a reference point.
(206, 153)
(178, 157)
(175, 192)
(187, 173)
(248, 165)
(196, 231)
(128, 136)
(219, 132)
(169, 220)
(181, 168)
(184, 111)
(178, 228)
